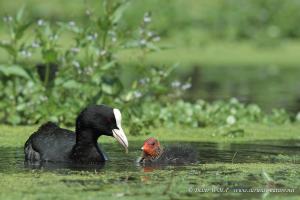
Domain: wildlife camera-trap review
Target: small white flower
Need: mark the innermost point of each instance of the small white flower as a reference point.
(156, 39)
(75, 50)
(35, 45)
(95, 35)
(92, 37)
(88, 12)
(53, 37)
(79, 71)
(144, 81)
(298, 116)
(186, 86)
(72, 23)
(175, 84)
(95, 64)
(103, 52)
(26, 54)
(162, 73)
(113, 39)
(89, 70)
(89, 37)
(7, 19)
(76, 64)
(230, 120)
(234, 101)
(150, 34)
(147, 18)
(40, 22)
(143, 42)
(119, 195)
(137, 94)
(43, 98)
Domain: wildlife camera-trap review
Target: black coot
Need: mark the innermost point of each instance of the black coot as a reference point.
(52, 143)
(154, 153)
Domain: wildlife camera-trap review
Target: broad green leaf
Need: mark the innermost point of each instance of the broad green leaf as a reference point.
(107, 88)
(10, 50)
(118, 13)
(14, 70)
(112, 87)
(71, 84)
(103, 23)
(20, 14)
(108, 65)
(21, 29)
(14, 119)
(49, 55)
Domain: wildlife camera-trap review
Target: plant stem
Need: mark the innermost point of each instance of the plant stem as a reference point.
(15, 92)
(47, 75)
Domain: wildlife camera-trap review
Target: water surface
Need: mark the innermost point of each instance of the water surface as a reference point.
(261, 164)
(12, 159)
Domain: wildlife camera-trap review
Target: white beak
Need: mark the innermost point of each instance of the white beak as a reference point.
(121, 137)
(119, 133)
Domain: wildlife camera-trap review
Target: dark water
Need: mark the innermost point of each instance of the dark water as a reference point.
(269, 86)
(12, 159)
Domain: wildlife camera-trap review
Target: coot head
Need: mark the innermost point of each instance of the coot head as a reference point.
(97, 120)
(151, 148)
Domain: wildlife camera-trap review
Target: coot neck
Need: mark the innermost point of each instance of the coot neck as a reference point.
(86, 137)
(86, 148)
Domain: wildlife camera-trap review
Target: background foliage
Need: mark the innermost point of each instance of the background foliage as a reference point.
(57, 65)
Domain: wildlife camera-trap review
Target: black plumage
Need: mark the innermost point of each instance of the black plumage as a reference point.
(52, 143)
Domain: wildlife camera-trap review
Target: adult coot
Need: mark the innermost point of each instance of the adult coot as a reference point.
(154, 153)
(52, 143)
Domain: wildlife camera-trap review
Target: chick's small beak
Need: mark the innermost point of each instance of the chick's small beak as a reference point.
(121, 137)
(142, 149)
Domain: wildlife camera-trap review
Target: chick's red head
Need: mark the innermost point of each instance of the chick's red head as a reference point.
(151, 147)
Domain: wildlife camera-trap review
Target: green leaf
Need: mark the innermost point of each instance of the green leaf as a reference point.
(103, 23)
(21, 29)
(108, 65)
(14, 119)
(49, 55)
(112, 87)
(171, 69)
(159, 89)
(14, 70)
(8, 47)
(71, 84)
(118, 12)
(20, 14)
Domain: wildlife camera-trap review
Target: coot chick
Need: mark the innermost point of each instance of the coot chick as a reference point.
(154, 153)
(52, 143)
